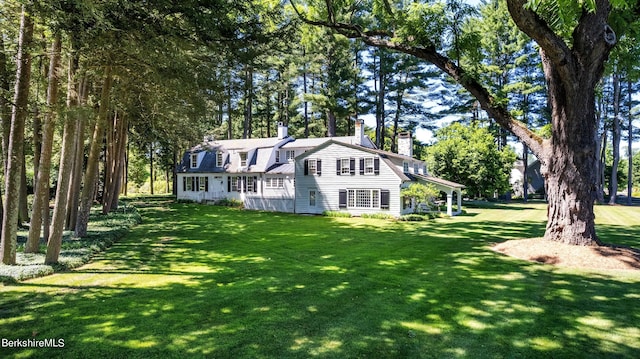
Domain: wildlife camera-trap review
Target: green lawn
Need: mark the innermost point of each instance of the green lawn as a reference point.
(205, 281)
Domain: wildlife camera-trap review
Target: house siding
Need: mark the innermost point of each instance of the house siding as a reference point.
(328, 184)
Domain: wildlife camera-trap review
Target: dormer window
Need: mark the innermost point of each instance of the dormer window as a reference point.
(291, 154)
(416, 168)
(219, 159)
(194, 160)
(405, 167)
(243, 159)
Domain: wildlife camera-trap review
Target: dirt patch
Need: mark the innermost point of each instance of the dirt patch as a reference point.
(564, 255)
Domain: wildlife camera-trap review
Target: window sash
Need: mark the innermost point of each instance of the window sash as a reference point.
(219, 159)
(194, 160)
(363, 198)
(345, 166)
(368, 166)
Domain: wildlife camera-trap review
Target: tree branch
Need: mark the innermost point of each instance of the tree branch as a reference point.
(536, 28)
(380, 38)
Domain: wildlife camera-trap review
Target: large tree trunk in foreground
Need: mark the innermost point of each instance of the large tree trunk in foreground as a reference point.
(570, 162)
(15, 153)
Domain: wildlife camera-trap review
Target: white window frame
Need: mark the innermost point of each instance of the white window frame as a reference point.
(405, 167)
(312, 167)
(219, 159)
(363, 198)
(313, 197)
(277, 156)
(274, 182)
(345, 166)
(369, 167)
(290, 155)
(250, 184)
(202, 185)
(194, 160)
(243, 159)
(416, 168)
(235, 180)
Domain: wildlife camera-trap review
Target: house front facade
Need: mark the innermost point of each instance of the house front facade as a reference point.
(312, 176)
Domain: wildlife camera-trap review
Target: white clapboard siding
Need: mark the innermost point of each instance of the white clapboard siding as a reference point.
(328, 184)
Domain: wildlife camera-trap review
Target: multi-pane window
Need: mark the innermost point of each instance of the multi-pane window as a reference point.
(312, 167)
(196, 184)
(219, 159)
(405, 167)
(243, 159)
(291, 154)
(274, 182)
(415, 168)
(194, 160)
(363, 198)
(234, 184)
(368, 166)
(278, 156)
(250, 182)
(345, 166)
(204, 184)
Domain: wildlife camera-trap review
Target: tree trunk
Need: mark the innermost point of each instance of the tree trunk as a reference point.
(380, 103)
(67, 157)
(76, 179)
(331, 123)
(15, 153)
(151, 172)
(616, 134)
(305, 89)
(630, 146)
(570, 162)
(91, 174)
(41, 192)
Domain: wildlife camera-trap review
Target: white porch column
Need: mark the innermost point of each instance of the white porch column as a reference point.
(459, 192)
(450, 204)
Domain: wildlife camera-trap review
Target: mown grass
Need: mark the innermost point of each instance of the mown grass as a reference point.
(204, 281)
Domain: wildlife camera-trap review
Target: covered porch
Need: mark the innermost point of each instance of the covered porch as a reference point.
(447, 187)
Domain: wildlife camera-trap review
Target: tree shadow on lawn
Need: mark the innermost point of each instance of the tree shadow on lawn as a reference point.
(236, 288)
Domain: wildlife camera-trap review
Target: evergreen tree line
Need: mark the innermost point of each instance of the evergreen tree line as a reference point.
(85, 84)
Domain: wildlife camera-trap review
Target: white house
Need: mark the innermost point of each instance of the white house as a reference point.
(307, 175)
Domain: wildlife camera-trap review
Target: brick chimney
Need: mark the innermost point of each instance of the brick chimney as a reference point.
(359, 135)
(405, 144)
(282, 131)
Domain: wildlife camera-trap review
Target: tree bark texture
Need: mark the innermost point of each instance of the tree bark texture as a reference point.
(76, 179)
(616, 134)
(42, 186)
(91, 173)
(15, 153)
(67, 156)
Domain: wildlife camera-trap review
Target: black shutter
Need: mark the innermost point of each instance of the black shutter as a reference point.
(255, 184)
(306, 167)
(342, 198)
(229, 184)
(376, 166)
(318, 167)
(197, 187)
(244, 184)
(352, 166)
(338, 167)
(384, 199)
(206, 184)
(184, 184)
(362, 166)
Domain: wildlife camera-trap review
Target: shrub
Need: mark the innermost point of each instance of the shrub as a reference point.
(336, 214)
(225, 202)
(414, 217)
(378, 215)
